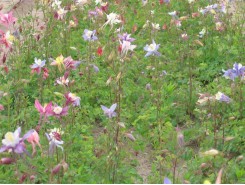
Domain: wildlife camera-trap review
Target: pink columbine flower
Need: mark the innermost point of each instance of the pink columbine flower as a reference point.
(72, 99)
(60, 14)
(59, 111)
(45, 110)
(62, 81)
(6, 39)
(7, 19)
(69, 63)
(34, 140)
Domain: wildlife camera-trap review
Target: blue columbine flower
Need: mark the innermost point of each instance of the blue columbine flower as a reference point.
(152, 49)
(89, 35)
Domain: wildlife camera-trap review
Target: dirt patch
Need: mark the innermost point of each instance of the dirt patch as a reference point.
(145, 162)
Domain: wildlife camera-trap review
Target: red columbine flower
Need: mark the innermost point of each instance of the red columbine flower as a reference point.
(100, 51)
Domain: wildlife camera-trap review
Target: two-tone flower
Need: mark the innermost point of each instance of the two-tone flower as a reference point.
(152, 49)
(13, 142)
(54, 138)
(38, 65)
(89, 35)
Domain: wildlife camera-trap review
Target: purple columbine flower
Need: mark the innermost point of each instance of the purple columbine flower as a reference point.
(111, 111)
(152, 49)
(230, 74)
(222, 97)
(166, 181)
(12, 141)
(239, 69)
(89, 35)
(126, 37)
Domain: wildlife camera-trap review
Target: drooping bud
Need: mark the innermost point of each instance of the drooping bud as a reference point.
(130, 136)
(56, 169)
(6, 160)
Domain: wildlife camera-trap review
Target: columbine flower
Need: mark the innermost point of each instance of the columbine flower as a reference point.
(60, 14)
(89, 35)
(38, 64)
(238, 70)
(56, 4)
(59, 61)
(222, 97)
(167, 181)
(45, 110)
(112, 19)
(219, 26)
(173, 14)
(59, 111)
(6, 39)
(202, 33)
(7, 19)
(184, 36)
(72, 99)
(155, 26)
(69, 63)
(109, 112)
(54, 138)
(204, 98)
(126, 46)
(12, 141)
(81, 2)
(62, 81)
(152, 49)
(230, 74)
(34, 140)
(126, 37)
(98, 2)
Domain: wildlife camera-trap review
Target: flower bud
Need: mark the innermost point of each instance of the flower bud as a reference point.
(56, 169)
(239, 158)
(6, 160)
(203, 165)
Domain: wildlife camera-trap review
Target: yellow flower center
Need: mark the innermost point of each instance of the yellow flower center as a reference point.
(9, 136)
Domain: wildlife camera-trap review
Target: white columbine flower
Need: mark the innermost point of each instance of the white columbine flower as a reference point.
(98, 2)
(112, 19)
(56, 4)
(202, 33)
(155, 26)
